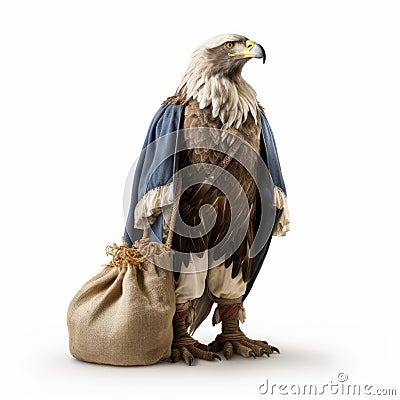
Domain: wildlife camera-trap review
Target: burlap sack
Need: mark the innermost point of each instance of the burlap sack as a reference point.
(123, 316)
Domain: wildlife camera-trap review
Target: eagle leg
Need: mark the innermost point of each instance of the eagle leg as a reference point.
(184, 347)
(233, 341)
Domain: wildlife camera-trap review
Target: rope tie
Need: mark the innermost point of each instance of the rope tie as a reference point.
(124, 256)
(231, 331)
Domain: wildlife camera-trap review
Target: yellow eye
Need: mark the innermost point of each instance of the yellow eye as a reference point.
(228, 45)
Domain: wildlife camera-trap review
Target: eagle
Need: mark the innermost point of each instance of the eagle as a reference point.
(220, 111)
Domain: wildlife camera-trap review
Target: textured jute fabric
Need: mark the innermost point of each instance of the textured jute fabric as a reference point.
(123, 316)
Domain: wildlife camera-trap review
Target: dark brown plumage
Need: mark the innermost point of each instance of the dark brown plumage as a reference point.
(200, 194)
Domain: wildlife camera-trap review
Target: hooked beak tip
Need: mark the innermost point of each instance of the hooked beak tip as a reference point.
(259, 52)
(264, 56)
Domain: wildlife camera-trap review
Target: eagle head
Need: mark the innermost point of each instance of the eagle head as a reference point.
(230, 52)
(214, 79)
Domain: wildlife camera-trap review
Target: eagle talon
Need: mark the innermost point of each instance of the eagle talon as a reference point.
(263, 351)
(273, 348)
(252, 354)
(185, 348)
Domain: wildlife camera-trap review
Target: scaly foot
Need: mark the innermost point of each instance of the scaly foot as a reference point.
(184, 347)
(233, 341)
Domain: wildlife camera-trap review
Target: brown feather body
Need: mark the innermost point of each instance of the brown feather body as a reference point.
(200, 194)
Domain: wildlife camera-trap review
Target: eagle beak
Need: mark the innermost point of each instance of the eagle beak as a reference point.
(259, 52)
(253, 50)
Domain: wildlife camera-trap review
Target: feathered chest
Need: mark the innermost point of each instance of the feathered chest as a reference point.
(208, 143)
(195, 117)
(230, 99)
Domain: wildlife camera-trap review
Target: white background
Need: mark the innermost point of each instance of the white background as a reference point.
(80, 82)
